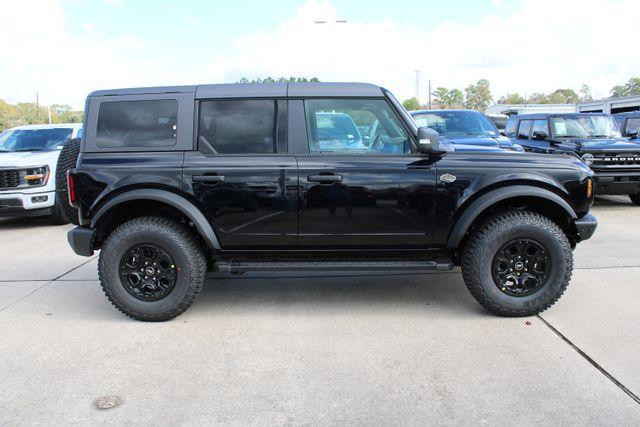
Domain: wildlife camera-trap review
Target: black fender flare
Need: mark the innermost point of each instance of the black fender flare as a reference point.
(174, 200)
(479, 205)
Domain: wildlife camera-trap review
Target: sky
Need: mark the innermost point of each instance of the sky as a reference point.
(64, 49)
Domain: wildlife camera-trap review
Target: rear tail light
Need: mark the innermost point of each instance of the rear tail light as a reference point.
(71, 188)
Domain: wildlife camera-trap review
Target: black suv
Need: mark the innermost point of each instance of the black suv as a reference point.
(594, 137)
(629, 123)
(173, 182)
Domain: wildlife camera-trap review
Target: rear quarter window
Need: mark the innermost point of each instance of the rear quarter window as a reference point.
(137, 123)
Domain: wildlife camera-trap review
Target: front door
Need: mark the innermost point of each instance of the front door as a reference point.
(242, 175)
(360, 184)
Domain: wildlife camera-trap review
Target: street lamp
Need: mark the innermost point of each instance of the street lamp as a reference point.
(331, 24)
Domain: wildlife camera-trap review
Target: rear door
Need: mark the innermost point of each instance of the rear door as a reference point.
(241, 173)
(360, 184)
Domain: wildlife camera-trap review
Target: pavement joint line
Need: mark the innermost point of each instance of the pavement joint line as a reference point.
(45, 284)
(595, 364)
(606, 267)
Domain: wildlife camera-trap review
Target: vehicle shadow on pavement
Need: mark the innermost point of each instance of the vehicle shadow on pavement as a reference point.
(14, 223)
(436, 292)
(612, 202)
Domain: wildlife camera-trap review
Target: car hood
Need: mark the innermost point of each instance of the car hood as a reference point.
(29, 158)
(585, 145)
(481, 140)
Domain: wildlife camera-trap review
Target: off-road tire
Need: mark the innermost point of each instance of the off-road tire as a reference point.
(635, 198)
(486, 241)
(173, 238)
(62, 210)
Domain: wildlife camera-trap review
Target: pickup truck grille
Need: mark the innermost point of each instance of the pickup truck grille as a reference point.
(9, 178)
(616, 159)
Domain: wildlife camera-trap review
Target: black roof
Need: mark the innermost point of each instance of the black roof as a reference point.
(547, 115)
(255, 90)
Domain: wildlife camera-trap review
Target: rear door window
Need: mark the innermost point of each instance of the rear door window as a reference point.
(238, 126)
(137, 123)
(524, 129)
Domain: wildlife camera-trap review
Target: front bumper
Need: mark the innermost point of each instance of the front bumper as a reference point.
(585, 226)
(81, 240)
(609, 182)
(26, 203)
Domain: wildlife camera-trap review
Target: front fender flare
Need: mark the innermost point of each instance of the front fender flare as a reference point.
(180, 203)
(479, 205)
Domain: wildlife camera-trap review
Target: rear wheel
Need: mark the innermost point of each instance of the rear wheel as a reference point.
(517, 264)
(152, 268)
(635, 198)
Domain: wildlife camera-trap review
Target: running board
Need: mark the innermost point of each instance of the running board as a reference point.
(440, 264)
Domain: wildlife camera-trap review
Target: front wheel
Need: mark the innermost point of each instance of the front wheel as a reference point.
(635, 198)
(517, 264)
(152, 268)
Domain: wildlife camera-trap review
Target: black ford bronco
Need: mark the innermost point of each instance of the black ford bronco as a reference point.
(173, 182)
(594, 137)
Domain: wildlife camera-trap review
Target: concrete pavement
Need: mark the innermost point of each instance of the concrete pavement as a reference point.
(332, 349)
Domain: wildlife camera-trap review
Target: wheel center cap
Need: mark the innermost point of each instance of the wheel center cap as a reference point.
(150, 271)
(519, 265)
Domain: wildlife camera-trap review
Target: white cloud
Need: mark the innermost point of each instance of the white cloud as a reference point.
(541, 46)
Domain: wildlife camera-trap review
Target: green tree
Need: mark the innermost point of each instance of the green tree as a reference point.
(411, 104)
(585, 93)
(446, 98)
(632, 87)
(478, 96)
(280, 80)
(511, 98)
(563, 96)
(538, 98)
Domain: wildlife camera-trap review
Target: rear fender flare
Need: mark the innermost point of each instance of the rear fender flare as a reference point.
(178, 202)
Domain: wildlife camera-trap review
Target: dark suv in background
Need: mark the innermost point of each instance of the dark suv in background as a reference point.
(629, 123)
(594, 137)
(173, 182)
(464, 128)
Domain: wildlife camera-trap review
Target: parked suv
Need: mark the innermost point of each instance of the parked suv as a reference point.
(594, 137)
(28, 160)
(464, 127)
(173, 182)
(629, 123)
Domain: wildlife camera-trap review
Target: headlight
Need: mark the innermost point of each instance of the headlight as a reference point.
(34, 177)
(587, 158)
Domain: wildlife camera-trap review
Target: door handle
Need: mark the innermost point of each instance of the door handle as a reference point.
(324, 178)
(209, 178)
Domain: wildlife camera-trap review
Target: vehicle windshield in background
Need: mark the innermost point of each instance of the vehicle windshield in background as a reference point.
(34, 139)
(457, 124)
(500, 122)
(584, 127)
(337, 128)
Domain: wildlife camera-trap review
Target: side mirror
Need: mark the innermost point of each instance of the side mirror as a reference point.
(633, 134)
(428, 141)
(540, 135)
(503, 132)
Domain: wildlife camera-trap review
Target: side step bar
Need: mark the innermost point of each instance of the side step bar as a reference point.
(440, 264)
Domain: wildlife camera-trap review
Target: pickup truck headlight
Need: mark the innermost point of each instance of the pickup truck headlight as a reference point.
(34, 177)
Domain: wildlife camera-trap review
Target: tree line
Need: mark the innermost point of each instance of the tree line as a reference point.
(28, 113)
(478, 96)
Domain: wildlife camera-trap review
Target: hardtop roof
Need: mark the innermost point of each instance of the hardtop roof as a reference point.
(255, 90)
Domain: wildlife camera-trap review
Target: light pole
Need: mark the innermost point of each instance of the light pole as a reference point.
(331, 24)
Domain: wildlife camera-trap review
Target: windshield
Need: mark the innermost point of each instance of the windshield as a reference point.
(34, 139)
(457, 124)
(337, 126)
(584, 127)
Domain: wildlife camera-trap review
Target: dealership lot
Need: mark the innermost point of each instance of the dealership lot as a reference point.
(348, 348)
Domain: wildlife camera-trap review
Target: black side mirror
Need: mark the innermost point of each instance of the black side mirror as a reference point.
(428, 141)
(539, 134)
(503, 132)
(633, 134)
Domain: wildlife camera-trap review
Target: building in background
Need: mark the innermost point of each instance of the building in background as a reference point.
(611, 105)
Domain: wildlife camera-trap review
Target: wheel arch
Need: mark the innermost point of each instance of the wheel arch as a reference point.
(117, 210)
(532, 198)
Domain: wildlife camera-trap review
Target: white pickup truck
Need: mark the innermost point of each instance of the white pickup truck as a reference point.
(28, 158)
